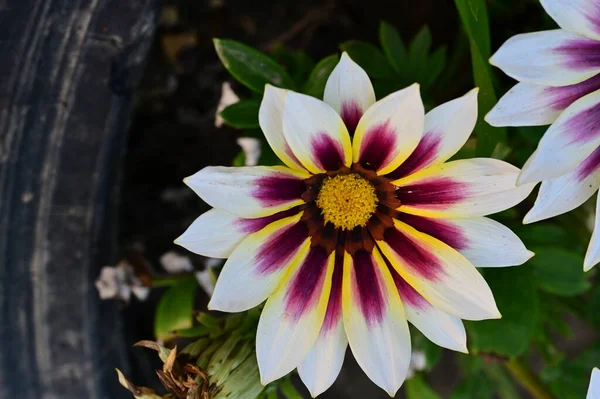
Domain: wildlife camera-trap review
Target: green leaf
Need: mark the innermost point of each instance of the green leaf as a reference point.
(476, 386)
(516, 296)
(288, 389)
(418, 388)
(298, 64)
(435, 66)
(503, 383)
(570, 379)
(175, 309)
(242, 115)
(559, 271)
(594, 306)
(315, 84)
(250, 67)
(192, 332)
(369, 57)
(418, 52)
(392, 45)
(474, 17)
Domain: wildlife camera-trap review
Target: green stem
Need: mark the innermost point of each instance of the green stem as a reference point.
(528, 380)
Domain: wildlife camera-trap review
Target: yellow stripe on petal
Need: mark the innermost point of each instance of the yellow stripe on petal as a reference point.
(270, 117)
(293, 316)
(257, 265)
(374, 320)
(463, 188)
(316, 134)
(389, 131)
(439, 273)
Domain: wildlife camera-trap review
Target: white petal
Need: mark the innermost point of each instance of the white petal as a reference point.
(214, 234)
(592, 256)
(577, 16)
(527, 104)
(349, 91)
(316, 133)
(551, 58)
(594, 388)
(270, 118)
(323, 363)
(565, 193)
(488, 243)
(249, 191)
(462, 188)
(255, 268)
(445, 278)
(567, 143)
(292, 318)
(389, 131)
(447, 128)
(374, 320)
(483, 241)
(439, 327)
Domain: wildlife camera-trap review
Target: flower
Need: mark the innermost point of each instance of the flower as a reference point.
(559, 74)
(353, 237)
(594, 389)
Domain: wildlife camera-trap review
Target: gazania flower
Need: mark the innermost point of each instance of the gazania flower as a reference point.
(355, 236)
(559, 74)
(594, 388)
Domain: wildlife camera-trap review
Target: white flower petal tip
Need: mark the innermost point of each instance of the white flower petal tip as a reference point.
(527, 176)
(594, 387)
(552, 58)
(588, 265)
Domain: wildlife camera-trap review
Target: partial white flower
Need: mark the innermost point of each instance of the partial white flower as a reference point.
(559, 81)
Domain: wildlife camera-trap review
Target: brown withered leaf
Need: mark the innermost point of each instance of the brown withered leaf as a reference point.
(138, 392)
(163, 353)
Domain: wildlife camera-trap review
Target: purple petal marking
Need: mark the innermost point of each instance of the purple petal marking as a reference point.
(589, 165)
(413, 255)
(306, 286)
(334, 306)
(582, 53)
(378, 145)
(254, 225)
(351, 114)
(434, 193)
(585, 125)
(422, 156)
(279, 249)
(437, 228)
(561, 97)
(407, 293)
(367, 288)
(276, 190)
(327, 153)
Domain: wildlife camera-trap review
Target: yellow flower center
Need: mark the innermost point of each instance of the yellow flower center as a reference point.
(347, 201)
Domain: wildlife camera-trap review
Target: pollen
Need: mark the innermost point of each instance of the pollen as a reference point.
(347, 201)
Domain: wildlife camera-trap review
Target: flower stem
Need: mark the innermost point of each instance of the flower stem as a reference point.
(528, 380)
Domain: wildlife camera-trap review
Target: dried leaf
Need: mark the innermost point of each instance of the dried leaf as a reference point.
(138, 392)
(163, 353)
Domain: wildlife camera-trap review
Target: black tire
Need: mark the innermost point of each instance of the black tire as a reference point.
(66, 79)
